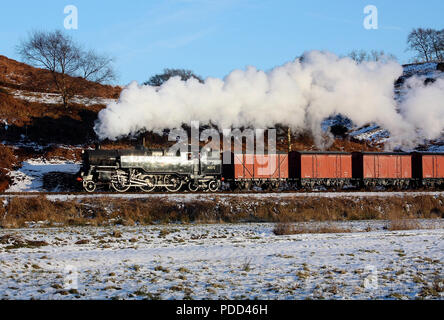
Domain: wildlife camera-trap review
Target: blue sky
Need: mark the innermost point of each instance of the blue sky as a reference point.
(213, 37)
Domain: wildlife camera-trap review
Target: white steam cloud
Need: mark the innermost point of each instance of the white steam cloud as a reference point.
(299, 94)
(423, 107)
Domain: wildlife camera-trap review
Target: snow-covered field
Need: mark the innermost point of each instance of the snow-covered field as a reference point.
(245, 261)
(29, 178)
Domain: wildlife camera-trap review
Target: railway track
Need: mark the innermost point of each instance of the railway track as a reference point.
(197, 195)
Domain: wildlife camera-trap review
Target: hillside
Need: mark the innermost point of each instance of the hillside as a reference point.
(20, 76)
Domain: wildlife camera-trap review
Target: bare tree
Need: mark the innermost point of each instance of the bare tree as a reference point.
(58, 53)
(374, 55)
(419, 41)
(436, 38)
(96, 68)
(358, 56)
(159, 79)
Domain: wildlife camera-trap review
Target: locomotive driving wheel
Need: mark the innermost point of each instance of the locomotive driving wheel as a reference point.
(172, 183)
(193, 186)
(120, 183)
(150, 183)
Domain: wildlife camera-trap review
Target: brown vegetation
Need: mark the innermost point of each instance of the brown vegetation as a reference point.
(286, 228)
(7, 162)
(46, 123)
(403, 224)
(15, 242)
(105, 211)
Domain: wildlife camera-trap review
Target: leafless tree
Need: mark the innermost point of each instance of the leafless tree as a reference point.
(436, 38)
(419, 41)
(427, 43)
(361, 55)
(96, 68)
(64, 58)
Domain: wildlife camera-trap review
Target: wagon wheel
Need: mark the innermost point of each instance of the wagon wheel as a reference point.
(173, 183)
(275, 186)
(193, 186)
(266, 186)
(247, 185)
(150, 183)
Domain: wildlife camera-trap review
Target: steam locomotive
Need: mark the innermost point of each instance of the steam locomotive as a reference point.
(155, 170)
(149, 170)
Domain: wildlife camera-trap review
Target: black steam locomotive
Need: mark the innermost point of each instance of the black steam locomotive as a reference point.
(149, 170)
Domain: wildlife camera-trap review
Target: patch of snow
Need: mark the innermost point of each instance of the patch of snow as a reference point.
(29, 178)
(55, 98)
(372, 133)
(5, 124)
(420, 68)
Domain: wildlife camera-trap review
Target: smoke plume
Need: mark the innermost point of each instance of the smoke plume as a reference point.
(299, 94)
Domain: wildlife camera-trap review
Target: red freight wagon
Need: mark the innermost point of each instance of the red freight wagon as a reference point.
(322, 168)
(385, 169)
(429, 167)
(266, 170)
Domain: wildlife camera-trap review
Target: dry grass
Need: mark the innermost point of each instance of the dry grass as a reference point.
(105, 211)
(404, 224)
(7, 162)
(289, 229)
(15, 242)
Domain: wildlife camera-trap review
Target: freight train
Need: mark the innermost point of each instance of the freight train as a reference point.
(159, 170)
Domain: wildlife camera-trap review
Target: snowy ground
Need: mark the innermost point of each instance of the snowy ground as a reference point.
(221, 261)
(55, 98)
(371, 133)
(29, 178)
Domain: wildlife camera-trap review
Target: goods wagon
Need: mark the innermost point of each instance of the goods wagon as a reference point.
(383, 169)
(429, 168)
(263, 170)
(321, 168)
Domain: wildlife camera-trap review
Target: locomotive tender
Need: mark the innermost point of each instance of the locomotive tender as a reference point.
(150, 170)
